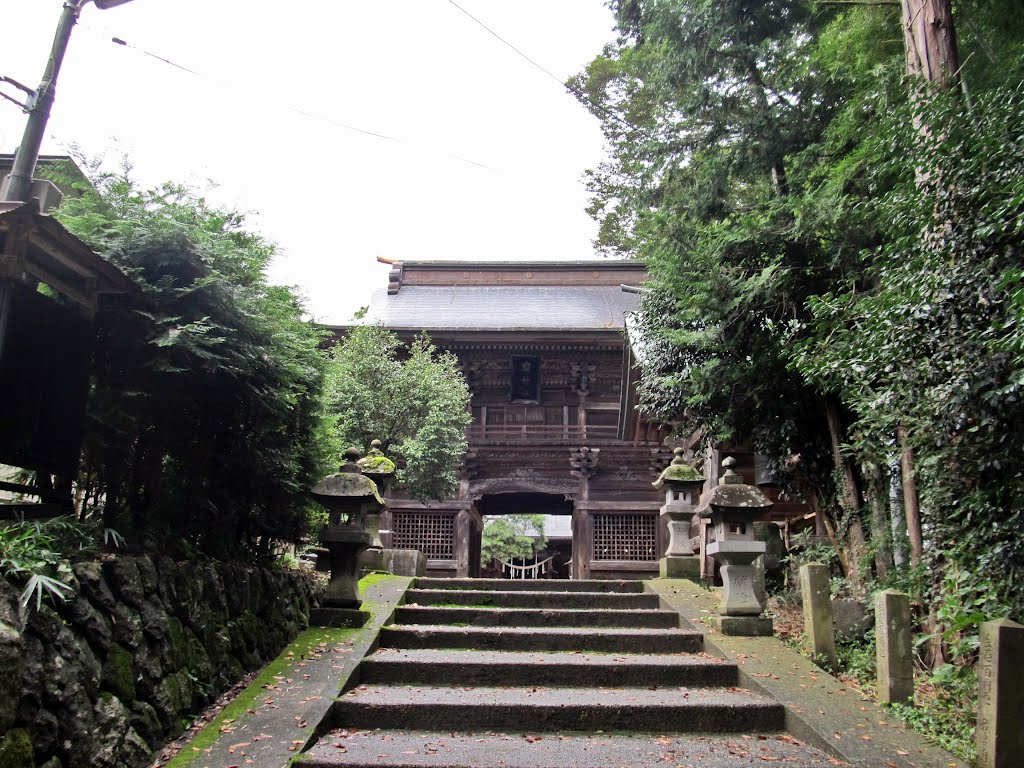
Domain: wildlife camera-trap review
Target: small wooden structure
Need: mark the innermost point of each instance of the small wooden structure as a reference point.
(51, 286)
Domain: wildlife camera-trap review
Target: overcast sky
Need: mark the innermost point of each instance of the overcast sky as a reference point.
(484, 156)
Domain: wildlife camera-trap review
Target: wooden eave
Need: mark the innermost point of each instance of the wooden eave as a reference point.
(37, 248)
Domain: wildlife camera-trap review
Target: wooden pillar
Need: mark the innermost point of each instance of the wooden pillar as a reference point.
(386, 530)
(475, 541)
(463, 531)
(582, 543)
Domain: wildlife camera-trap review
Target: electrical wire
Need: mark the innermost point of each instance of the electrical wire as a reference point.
(305, 113)
(578, 93)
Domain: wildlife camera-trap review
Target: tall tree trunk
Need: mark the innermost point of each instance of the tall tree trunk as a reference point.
(911, 506)
(848, 535)
(898, 517)
(930, 41)
(932, 57)
(877, 492)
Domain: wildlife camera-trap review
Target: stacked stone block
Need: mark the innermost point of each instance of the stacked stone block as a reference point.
(143, 645)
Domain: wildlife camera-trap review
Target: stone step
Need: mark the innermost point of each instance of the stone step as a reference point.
(488, 668)
(522, 749)
(600, 640)
(531, 599)
(532, 585)
(535, 617)
(680, 710)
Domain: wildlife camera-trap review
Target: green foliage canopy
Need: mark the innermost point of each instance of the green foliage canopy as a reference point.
(412, 398)
(512, 536)
(814, 249)
(206, 418)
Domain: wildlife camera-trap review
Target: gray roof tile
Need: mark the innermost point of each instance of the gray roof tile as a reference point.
(502, 308)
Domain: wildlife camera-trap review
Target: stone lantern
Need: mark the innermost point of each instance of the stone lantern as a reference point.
(732, 507)
(381, 470)
(681, 484)
(349, 497)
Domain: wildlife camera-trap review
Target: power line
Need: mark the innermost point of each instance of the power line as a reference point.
(305, 113)
(494, 34)
(574, 91)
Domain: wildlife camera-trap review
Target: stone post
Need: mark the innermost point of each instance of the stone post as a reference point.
(814, 590)
(999, 736)
(894, 648)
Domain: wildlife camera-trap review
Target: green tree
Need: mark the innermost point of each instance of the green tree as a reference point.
(512, 536)
(412, 398)
(206, 418)
(936, 347)
(718, 116)
(824, 273)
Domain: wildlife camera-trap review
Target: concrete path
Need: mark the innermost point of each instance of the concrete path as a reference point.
(274, 718)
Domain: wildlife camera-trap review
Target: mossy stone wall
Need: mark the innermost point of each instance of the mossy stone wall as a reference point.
(144, 644)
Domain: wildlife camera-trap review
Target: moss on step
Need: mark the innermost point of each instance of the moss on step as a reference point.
(16, 749)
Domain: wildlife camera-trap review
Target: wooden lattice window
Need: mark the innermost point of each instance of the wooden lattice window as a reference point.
(431, 533)
(625, 537)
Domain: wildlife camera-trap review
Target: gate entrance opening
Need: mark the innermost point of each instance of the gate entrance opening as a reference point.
(555, 558)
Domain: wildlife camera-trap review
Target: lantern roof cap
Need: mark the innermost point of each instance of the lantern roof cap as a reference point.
(348, 483)
(375, 464)
(678, 473)
(733, 494)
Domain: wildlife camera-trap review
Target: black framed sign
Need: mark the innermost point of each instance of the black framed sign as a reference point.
(525, 378)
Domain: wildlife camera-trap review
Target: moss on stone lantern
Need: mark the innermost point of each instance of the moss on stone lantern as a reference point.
(381, 470)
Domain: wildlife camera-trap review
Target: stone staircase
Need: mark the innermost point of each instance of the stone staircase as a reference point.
(531, 674)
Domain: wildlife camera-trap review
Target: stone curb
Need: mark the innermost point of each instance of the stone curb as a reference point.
(820, 710)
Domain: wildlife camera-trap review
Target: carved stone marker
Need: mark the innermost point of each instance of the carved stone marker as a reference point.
(999, 736)
(894, 648)
(814, 590)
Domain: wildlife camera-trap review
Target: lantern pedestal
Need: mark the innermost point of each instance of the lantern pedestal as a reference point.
(743, 626)
(736, 559)
(679, 561)
(679, 568)
(340, 606)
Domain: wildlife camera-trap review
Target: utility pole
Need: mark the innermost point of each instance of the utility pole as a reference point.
(18, 186)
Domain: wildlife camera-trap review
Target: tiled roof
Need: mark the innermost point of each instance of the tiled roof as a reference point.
(502, 308)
